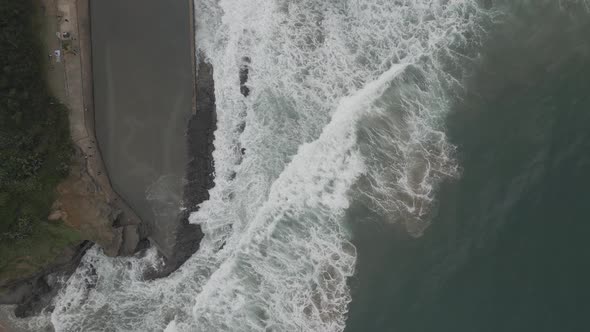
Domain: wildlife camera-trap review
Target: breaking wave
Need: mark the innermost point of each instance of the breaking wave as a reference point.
(345, 101)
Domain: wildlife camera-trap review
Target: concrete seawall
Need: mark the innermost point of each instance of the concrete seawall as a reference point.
(199, 174)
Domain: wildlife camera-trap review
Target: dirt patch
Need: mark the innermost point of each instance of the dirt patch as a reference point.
(82, 204)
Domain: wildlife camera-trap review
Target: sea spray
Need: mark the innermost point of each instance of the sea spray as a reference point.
(296, 247)
(288, 156)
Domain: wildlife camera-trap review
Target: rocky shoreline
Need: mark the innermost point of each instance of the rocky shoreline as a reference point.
(200, 168)
(35, 293)
(86, 200)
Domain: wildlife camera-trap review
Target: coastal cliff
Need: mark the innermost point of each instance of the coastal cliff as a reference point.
(200, 168)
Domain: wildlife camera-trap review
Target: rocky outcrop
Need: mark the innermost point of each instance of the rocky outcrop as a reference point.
(82, 204)
(200, 134)
(199, 171)
(86, 200)
(36, 292)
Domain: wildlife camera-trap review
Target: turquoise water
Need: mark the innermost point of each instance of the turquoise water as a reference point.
(508, 248)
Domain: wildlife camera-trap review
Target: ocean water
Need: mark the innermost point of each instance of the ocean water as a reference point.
(508, 248)
(408, 165)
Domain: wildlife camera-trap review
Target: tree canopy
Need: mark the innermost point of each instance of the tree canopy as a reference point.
(35, 145)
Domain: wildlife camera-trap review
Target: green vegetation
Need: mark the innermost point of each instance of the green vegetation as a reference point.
(44, 244)
(35, 145)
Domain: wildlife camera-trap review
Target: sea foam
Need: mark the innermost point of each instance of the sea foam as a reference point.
(346, 102)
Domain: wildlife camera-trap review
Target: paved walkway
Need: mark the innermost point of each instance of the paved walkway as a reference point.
(55, 72)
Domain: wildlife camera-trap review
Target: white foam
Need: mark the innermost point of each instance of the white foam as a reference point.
(286, 253)
(171, 327)
(296, 247)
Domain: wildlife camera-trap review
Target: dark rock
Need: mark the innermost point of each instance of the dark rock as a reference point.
(130, 240)
(142, 245)
(199, 173)
(200, 136)
(31, 295)
(201, 130)
(244, 71)
(242, 127)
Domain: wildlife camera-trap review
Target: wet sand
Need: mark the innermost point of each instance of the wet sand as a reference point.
(143, 93)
